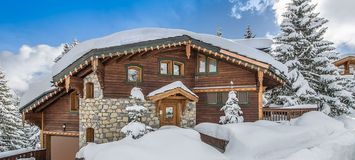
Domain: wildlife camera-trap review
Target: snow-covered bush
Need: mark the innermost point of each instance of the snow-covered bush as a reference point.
(232, 111)
(137, 93)
(135, 128)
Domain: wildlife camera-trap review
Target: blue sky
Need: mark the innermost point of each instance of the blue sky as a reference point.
(54, 22)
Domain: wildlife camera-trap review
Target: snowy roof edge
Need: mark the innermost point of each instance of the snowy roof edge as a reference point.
(35, 99)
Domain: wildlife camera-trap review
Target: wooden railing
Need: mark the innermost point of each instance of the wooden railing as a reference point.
(39, 154)
(282, 114)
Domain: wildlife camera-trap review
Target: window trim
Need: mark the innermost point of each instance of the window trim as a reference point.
(171, 62)
(128, 66)
(74, 93)
(207, 64)
(92, 86)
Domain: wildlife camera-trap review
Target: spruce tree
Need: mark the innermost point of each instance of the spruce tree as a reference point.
(301, 46)
(248, 33)
(232, 111)
(11, 133)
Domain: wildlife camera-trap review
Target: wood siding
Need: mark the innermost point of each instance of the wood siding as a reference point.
(211, 113)
(59, 113)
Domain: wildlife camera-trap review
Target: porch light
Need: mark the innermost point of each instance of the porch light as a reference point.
(64, 126)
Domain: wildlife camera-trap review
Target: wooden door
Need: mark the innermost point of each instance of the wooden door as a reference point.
(63, 147)
(168, 114)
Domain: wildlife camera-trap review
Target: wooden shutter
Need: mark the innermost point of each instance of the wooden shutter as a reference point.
(89, 90)
(90, 135)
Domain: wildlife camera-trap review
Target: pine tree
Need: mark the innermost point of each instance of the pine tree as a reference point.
(248, 33)
(11, 136)
(31, 135)
(232, 111)
(302, 48)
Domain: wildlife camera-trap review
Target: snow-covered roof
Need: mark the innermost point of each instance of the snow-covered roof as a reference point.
(258, 43)
(171, 86)
(341, 56)
(36, 89)
(147, 34)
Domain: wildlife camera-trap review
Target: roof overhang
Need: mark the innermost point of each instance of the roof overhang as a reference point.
(44, 98)
(173, 92)
(131, 49)
(344, 60)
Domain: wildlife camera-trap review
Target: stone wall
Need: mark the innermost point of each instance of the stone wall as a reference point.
(98, 93)
(188, 117)
(108, 116)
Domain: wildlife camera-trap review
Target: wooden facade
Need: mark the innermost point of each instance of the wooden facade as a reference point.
(346, 65)
(53, 112)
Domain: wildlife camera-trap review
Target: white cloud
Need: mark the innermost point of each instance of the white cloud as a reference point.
(28, 64)
(258, 6)
(340, 14)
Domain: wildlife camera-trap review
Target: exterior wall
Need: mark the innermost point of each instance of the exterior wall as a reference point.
(98, 93)
(211, 113)
(59, 113)
(108, 116)
(115, 74)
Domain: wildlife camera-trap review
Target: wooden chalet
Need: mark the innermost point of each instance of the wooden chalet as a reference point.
(92, 83)
(346, 64)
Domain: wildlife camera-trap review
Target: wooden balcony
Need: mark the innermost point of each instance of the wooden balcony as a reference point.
(284, 114)
(39, 154)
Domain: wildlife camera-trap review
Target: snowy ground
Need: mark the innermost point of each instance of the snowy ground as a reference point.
(314, 136)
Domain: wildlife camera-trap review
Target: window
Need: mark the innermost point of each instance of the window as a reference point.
(90, 135)
(170, 67)
(220, 98)
(212, 98)
(201, 63)
(206, 64)
(178, 68)
(74, 101)
(89, 90)
(212, 65)
(134, 74)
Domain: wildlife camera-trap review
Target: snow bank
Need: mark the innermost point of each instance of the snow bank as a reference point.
(146, 34)
(313, 136)
(176, 84)
(168, 143)
(213, 130)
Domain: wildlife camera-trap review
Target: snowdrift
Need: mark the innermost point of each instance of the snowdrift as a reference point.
(313, 136)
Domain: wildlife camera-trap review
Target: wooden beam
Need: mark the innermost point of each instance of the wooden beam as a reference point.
(224, 89)
(49, 101)
(260, 79)
(188, 51)
(243, 58)
(72, 82)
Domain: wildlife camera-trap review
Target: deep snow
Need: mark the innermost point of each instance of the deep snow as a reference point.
(313, 136)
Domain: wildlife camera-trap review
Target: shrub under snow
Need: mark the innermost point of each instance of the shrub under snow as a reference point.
(232, 111)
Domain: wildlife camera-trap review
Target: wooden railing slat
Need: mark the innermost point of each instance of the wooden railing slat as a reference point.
(277, 114)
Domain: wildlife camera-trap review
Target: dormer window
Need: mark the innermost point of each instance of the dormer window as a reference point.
(134, 74)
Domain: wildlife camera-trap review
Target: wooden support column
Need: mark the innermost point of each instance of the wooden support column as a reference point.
(347, 67)
(41, 131)
(260, 90)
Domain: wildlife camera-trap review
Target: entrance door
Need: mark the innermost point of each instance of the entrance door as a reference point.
(168, 114)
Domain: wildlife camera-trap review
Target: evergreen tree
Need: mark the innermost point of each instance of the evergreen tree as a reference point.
(248, 33)
(11, 133)
(31, 135)
(232, 111)
(302, 48)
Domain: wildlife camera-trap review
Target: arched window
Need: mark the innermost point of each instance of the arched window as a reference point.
(134, 74)
(89, 90)
(74, 101)
(90, 135)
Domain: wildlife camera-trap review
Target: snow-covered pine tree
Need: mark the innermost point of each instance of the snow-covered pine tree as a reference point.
(135, 128)
(232, 111)
(301, 46)
(248, 33)
(11, 133)
(32, 134)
